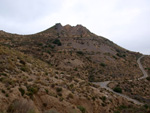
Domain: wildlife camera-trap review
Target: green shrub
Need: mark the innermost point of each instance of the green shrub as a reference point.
(1, 79)
(52, 46)
(57, 42)
(46, 90)
(93, 98)
(40, 44)
(25, 68)
(120, 55)
(103, 98)
(4, 74)
(116, 111)
(82, 109)
(22, 62)
(3, 91)
(80, 53)
(7, 95)
(22, 91)
(114, 57)
(48, 51)
(71, 86)
(91, 78)
(146, 106)
(118, 89)
(76, 69)
(103, 104)
(58, 89)
(122, 107)
(32, 90)
(70, 95)
(103, 64)
(148, 78)
(147, 68)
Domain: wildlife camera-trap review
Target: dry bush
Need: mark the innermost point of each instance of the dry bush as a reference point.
(22, 106)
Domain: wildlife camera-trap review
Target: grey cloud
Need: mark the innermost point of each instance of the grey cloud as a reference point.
(28, 10)
(125, 22)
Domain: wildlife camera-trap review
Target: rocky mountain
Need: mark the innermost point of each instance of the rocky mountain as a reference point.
(51, 72)
(76, 49)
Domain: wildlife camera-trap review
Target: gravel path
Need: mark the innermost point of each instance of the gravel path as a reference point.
(105, 83)
(145, 75)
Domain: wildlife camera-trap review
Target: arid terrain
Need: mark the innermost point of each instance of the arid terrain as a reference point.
(137, 89)
(52, 72)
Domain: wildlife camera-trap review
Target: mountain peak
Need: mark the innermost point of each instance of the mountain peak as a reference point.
(69, 30)
(76, 30)
(58, 27)
(80, 26)
(77, 26)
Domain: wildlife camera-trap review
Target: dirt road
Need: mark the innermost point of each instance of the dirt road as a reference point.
(105, 83)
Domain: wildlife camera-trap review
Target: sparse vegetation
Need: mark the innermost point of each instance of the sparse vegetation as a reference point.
(48, 76)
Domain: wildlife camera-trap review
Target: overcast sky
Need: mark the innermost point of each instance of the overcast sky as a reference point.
(125, 22)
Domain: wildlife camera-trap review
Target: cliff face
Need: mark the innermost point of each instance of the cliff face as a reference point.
(51, 71)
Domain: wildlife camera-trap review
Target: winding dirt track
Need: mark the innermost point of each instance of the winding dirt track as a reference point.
(145, 75)
(105, 83)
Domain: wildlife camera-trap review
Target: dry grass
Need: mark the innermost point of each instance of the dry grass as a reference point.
(22, 106)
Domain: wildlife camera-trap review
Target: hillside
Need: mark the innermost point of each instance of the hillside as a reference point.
(76, 49)
(52, 71)
(137, 89)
